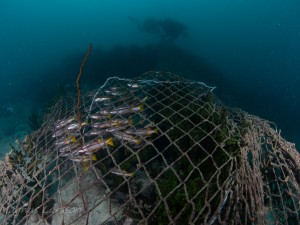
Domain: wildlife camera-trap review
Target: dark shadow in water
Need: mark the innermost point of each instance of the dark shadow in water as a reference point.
(167, 29)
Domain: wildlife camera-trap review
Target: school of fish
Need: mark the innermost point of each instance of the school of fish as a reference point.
(111, 119)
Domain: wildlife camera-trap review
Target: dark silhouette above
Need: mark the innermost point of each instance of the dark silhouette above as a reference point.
(168, 29)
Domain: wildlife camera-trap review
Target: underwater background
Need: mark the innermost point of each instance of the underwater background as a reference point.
(248, 49)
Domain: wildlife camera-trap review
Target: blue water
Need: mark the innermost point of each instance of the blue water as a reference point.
(249, 49)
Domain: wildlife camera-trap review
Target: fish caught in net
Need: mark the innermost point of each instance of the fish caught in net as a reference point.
(157, 149)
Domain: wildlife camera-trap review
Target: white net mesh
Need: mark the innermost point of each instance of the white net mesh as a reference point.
(158, 149)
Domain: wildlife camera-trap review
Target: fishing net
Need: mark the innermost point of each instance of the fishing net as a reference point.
(158, 149)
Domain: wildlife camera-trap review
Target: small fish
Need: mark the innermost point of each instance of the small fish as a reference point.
(105, 124)
(99, 117)
(58, 133)
(126, 137)
(75, 159)
(105, 112)
(83, 158)
(108, 141)
(102, 99)
(70, 140)
(64, 149)
(114, 129)
(120, 172)
(94, 133)
(87, 162)
(73, 126)
(60, 143)
(114, 88)
(125, 110)
(115, 91)
(123, 121)
(65, 154)
(112, 123)
(63, 123)
(68, 148)
(146, 131)
(133, 85)
(94, 146)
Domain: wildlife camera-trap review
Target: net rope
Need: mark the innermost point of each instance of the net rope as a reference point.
(157, 149)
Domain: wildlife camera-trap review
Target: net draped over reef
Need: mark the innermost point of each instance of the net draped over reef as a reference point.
(158, 149)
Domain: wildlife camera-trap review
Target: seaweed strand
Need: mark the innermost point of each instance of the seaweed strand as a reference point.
(78, 86)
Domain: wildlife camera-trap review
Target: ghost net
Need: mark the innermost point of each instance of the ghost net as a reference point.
(158, 149)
